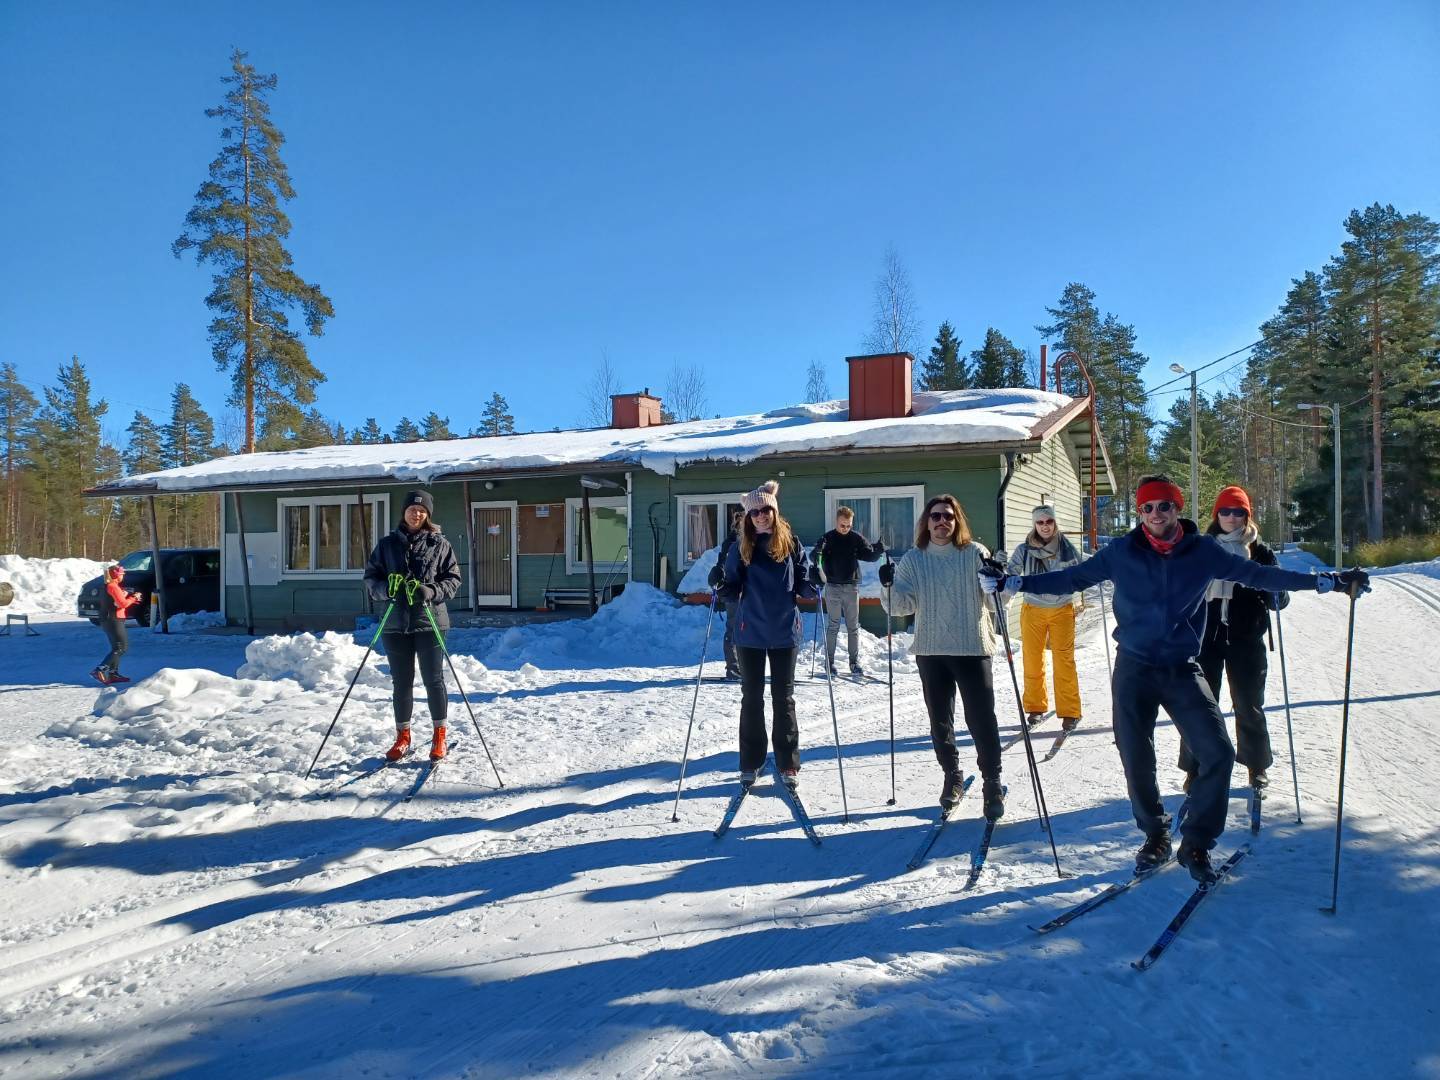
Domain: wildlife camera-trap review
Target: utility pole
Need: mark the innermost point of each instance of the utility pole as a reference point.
(1334, 411)
(1194, 439)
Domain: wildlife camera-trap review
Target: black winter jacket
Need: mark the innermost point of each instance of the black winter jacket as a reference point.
(840, 555)
(428, 558)
(1249, 608)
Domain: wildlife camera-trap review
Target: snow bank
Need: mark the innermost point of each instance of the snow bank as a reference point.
(191, 623)
(46, 585)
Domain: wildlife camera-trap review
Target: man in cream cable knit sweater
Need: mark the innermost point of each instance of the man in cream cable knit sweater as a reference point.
(937, 581)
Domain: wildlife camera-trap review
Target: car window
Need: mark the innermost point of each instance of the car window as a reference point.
(178, 566)
(207, 564)
(139, 561)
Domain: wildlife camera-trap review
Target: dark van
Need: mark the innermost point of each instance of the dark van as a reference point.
(192, 583)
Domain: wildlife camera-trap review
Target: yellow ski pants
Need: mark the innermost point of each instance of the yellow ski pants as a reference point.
(1039, 625)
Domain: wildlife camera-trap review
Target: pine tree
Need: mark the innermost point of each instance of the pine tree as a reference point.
(1076, 328)
(69, 433)
(314, 430)
(237, 225)
(145, 451)
(368, 434)
(496, 419)
(997, 363)
(18, 410)
(406, 431)
(944, 368)
(435, 427)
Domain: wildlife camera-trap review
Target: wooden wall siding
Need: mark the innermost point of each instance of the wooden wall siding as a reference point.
(1050, 474)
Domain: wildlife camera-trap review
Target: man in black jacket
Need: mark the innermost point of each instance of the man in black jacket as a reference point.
(839, 554)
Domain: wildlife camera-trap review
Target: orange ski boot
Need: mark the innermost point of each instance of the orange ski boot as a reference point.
(401, 747)
(437, 745)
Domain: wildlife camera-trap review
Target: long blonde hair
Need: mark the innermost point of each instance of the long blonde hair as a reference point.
(782, 539)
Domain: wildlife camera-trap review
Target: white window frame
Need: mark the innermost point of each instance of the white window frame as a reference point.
(574, 564)
(838, 497)
(682, 504)
(380, 511)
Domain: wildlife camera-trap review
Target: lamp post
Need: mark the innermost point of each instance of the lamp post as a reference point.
(1194, 440)
(1334, 411)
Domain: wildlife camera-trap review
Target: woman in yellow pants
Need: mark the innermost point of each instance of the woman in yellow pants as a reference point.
(1045, 618)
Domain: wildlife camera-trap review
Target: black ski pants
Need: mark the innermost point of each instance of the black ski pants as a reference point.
(403, 650)
(1140, 691)
(1245, 664)
(785, 729)
(940, 676)
(119, 639)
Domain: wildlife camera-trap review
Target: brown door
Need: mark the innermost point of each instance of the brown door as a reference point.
(494, 556)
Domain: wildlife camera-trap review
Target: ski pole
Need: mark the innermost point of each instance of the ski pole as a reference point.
(815, 637)
(393, 582)
(1344, 738)
(890, 673)
(699, 674)
(430, 614)
(1289, 729)
(839, 761)
(1105, 626)
(1025, 734)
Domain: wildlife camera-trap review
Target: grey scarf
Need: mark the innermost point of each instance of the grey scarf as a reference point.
(1237, 543)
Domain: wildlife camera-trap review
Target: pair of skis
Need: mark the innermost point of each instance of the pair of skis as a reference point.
(791, 798)
(1008, 743)
(428, 770)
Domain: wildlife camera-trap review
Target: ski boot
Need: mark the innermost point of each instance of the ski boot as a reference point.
(856, 671)
(1258, 780)
(748, 778)
(953, 788)
(1034, 718)
(437, 744)
(1196, 859)
(1069, 723)
(994, 796)
(1155, 852)
(791, 779)
(401, 748)
(115, 677)
(101, 676)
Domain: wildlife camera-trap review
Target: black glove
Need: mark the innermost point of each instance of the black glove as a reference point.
(879, 547)
(424, 593)
(1277, 601)
(887, 573)
(717, 576)
(1344, 581)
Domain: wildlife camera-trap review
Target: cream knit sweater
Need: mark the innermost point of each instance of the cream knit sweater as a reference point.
(940, 586)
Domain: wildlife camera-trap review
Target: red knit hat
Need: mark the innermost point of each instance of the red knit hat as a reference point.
(1156, 490)
(1232, 496)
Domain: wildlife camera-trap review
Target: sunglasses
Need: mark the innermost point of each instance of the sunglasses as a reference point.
(1164, 506)
(762, 511)
(1231, 511)
(1045, 521)
(941, 515)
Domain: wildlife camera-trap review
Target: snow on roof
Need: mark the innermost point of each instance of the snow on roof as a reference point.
(952, 417)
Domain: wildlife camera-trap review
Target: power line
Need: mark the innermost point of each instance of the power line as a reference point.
(1202, 367)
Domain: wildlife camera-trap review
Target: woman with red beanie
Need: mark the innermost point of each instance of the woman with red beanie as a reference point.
(1236, 622)
(115, 605)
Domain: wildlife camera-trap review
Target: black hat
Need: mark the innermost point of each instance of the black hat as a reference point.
(419, 498)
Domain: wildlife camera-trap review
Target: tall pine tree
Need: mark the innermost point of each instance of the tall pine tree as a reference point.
(406, 431)
(18, 410)
(944, 368)
(435, 427)
(69, 433)
(998, 363)
(496, 419)
(238, 226)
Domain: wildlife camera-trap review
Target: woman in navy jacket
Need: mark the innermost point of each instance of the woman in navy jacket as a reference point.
(765, 571)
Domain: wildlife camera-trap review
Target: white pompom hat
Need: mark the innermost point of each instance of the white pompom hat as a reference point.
(764, 495)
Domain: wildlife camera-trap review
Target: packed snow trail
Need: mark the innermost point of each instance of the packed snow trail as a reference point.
(176, 905)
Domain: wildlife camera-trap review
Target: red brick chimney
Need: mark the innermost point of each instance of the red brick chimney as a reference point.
(880, 385)
(634, 410)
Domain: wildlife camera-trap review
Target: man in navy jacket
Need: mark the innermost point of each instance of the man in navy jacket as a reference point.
(1161, 570)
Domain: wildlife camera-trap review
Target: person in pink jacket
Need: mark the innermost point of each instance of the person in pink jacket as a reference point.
(115, 605)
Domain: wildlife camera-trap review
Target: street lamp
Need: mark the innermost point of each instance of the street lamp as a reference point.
(1194, 441)
(1334, 411)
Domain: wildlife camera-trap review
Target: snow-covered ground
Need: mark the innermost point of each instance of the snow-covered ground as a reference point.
(177, 903)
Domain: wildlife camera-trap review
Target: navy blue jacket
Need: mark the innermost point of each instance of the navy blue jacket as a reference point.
(1160, 600)
(766, 591)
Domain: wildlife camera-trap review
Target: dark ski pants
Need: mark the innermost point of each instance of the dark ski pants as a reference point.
(732, 620)
(119, 640)
(1140, 691)
(403, 650)
(1245, 664)
(785, 729)
(939, 678)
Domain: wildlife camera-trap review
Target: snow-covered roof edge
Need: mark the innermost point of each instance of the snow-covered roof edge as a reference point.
(957, 418)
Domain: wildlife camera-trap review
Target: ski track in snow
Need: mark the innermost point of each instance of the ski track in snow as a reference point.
(178, 904)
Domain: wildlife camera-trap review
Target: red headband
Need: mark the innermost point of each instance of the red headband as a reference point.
(1156, 490)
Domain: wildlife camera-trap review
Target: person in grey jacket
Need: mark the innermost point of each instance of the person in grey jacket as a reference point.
(937, 581)
(418, 552)
(839, 555)
(1048, 618)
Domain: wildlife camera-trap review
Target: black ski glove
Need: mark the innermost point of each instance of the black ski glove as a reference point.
(424, 593)
(887, 574)
(717, 576)
(879, 547)
(1344, 581)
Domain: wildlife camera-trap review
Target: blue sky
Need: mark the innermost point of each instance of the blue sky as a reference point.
(493, 194)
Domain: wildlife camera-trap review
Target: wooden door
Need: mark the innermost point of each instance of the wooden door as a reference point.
(494, 556)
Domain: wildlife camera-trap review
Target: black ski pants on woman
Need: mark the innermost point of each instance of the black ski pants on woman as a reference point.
(1138, 692)
(403, 650)
(1245, 664)
(785, 729)
(119, 640)
(939, 678)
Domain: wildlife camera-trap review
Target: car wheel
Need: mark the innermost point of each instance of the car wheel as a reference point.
(94, 621)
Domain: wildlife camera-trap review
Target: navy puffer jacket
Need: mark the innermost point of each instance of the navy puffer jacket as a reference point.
(766, 591)
(1160, 600)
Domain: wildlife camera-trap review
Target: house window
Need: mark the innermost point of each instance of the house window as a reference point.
(704, 521)
(609, 528)
(884, 513)
(332, 535)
